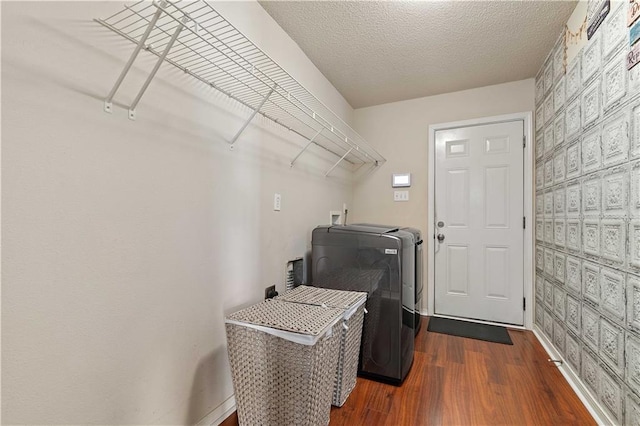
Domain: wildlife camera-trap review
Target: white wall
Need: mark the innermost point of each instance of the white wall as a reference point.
(400, 132)
(125, 243)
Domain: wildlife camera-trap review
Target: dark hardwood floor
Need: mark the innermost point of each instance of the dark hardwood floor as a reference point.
(459, 381)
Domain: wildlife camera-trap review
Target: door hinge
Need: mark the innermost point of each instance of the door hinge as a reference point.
(524, 222)
(524, 141)
(524, 303)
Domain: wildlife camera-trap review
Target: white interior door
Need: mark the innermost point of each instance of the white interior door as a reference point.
(479, 222)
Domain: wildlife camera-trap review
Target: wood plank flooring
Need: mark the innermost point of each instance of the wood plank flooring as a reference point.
(459, 381)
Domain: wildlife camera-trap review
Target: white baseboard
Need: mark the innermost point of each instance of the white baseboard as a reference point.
(220, 413)
(587, 398)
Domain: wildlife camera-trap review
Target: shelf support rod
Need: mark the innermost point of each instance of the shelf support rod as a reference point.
(305, 148)
(336, 165)
(134, 55)
(246, 123)
(134, 104)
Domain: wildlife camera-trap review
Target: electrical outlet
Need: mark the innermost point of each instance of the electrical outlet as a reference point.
(400, 195)
(270, 292)
(277, 202)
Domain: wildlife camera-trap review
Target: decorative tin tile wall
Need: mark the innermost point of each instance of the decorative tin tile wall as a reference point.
(558, 201)
(591, 328)
(558, 95)
(574, 231)
(591, 151)
(549, 266)
(558, 128)
(559, 232)
(588, 214)
(589, 371)
(591, 237)
(591, 55)
(548, 324)
(613, 240)
(572, 80)
(635, 130)
(633, 363)
(548, 109)
(591, 103)
(615, 140)
(610, 394)
(559, 335)
(573, 160)
(574, 275)
(591, 282)
(540, 146)
(572, 119)
(539, 286)
(559, 302)
(548, 294)
(548, 231)
(572, 351)
(560, 266)
(614, 29)
(539, 91)
(573, 198)
(539, 313)
(632, 410)
(612, 285)
(574, 313)
(539, 117)
(548, 204)
(633, 303)
(540, 229)
(612, 346)
(615, 81)
(559, 169)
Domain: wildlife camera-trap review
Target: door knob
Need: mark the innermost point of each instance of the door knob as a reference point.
(440, 238)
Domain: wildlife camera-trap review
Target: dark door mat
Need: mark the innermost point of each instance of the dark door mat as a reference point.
(472, 330)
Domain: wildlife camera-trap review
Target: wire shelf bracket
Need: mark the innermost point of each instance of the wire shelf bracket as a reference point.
(195, 38)
(305, 148)
(244, 126)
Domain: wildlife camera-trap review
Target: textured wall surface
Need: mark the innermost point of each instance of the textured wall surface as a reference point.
(588, 214)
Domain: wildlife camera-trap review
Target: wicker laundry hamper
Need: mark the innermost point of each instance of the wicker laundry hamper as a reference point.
(283, 360)
(353, 304)
(368, 281)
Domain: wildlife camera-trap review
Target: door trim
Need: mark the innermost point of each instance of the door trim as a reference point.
(528, 206)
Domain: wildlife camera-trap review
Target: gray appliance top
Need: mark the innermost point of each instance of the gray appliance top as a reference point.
(372, 229)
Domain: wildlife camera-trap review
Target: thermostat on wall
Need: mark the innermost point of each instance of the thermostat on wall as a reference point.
(401, 180)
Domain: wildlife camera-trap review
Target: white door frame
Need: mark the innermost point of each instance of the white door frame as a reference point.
(528, 206)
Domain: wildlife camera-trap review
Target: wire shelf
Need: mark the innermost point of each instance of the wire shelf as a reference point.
(194, 37)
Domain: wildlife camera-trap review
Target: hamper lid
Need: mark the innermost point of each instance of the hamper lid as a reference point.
(296, 322)
(348, 300)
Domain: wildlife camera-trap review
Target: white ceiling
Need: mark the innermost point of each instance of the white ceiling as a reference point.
(377, 52)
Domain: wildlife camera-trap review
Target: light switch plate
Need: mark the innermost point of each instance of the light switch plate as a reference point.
(400, 195)
(277, 202)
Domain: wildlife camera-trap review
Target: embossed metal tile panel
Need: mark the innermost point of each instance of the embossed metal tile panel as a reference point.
(588, 226)
(572, 351)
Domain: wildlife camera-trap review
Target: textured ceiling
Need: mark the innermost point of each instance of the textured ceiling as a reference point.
(379, 52)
